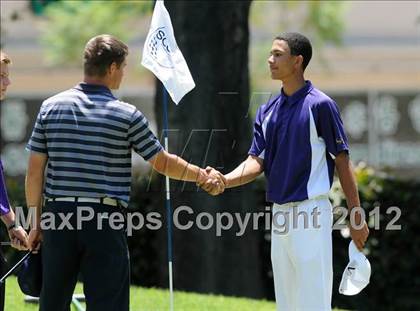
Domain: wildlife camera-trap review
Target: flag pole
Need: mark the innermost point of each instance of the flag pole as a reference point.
(162, 56)
(168, 202)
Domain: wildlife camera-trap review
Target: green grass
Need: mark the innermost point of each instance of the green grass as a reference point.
(145, 299)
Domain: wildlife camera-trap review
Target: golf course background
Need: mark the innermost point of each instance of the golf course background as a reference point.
(151, 299)
(372, 63)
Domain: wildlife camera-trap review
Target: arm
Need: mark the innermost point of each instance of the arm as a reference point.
(331, 129)
(177, 168)
(349, 185)
(17, 234)
(140, 135)
(34, 185)
(246, 172)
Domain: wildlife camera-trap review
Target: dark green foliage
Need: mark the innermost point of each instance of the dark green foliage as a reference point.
(394, 254)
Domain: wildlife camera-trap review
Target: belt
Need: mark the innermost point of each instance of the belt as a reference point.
(295, 204)
(105, 201)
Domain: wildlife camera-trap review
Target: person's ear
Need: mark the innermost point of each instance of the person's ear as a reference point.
(299, 61)
(112, 68)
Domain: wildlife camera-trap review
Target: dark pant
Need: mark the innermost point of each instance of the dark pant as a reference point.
(99, 254)
(2, 285)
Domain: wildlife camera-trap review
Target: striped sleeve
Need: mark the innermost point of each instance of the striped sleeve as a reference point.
(38, 141)
(141, 138)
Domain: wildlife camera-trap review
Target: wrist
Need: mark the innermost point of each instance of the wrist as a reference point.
(356, 216)
(201, 175)
(229, 181)
(9, 218)
(11, 226)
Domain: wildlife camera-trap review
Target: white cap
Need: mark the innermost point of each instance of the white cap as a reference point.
(357, 273)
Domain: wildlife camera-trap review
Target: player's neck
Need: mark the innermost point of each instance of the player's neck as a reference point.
(293, 84)
(96, 81)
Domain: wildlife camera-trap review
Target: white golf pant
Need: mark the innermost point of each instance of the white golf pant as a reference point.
(301, 255)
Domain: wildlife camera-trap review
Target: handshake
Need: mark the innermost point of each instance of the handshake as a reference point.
(211, 181)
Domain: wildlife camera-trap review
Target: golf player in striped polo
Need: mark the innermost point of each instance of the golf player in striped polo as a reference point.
(83, 138)
(299, 139)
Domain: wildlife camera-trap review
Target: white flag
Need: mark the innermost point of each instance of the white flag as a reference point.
(162, 56)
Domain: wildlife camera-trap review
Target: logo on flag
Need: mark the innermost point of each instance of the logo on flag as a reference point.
(159, 49)
(162, 56)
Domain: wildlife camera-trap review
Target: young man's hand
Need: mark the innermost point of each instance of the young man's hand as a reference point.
(213, 182)
(18, 238)
(34, 240)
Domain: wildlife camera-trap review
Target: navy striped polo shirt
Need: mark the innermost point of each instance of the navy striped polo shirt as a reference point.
(298, 138)
(88, 135)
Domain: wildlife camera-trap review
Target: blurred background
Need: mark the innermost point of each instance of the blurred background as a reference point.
(366, 57)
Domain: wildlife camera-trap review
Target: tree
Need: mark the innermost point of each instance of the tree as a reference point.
(213, 37)
(38, 6)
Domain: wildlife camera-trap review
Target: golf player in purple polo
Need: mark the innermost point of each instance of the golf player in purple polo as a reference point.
(17, 234)
(298, 141)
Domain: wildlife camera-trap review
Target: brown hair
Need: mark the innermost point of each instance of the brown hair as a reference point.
(4, 58)
(100, 52)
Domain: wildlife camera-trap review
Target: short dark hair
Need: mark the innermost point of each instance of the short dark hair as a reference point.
(100, 52)
(298, 45)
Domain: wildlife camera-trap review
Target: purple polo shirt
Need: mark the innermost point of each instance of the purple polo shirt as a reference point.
(4, 202)
(298, 138)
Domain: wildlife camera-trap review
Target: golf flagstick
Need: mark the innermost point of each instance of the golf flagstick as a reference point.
(168, 202)
(8, 273)
(162, 56)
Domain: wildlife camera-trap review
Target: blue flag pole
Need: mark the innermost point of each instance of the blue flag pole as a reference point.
(168, 202)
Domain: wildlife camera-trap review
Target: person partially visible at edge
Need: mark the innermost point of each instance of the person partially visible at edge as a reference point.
(299, 140)
(84, 137)
(17, 234)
